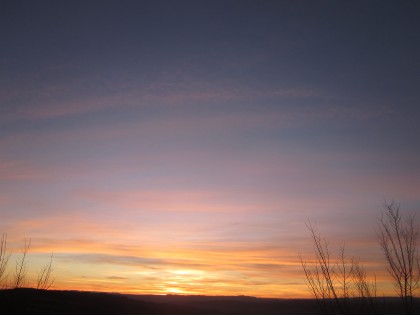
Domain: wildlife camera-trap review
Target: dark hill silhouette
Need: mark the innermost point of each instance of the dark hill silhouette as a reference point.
(37, 302)
(34, 302)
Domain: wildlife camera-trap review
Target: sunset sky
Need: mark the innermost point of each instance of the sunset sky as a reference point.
(181, 146)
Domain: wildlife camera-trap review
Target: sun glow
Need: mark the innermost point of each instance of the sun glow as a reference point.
(172, 290)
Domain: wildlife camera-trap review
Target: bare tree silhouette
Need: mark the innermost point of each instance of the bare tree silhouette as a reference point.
(321, 274)
(334, 281)
(398, 238)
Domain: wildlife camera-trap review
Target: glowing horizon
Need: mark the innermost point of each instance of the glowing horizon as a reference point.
(189, 268)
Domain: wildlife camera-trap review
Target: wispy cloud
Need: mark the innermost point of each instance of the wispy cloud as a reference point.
(83, 96)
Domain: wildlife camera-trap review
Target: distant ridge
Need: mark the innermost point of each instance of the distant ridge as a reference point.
(52, 302)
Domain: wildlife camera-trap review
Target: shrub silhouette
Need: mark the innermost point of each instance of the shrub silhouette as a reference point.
(45, 278)
(334, 281)
(20, 279)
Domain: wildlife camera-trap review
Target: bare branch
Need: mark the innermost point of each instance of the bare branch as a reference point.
(4, 259)
(343, 274)
(45, 279)
(20, 269)
(365, 289)
(321, 274)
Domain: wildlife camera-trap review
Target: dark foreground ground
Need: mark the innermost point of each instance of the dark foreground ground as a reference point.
(31, 301)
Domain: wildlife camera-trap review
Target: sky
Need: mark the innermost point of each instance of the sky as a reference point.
(181, 147)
